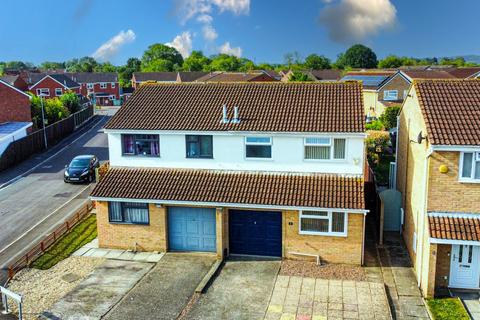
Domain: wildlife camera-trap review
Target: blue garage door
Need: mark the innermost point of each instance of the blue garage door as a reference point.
(191, 229)
(255, 232)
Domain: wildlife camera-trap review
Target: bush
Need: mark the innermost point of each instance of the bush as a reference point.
(376, 125)
(297, 76)
(53, 108)
(376, 143)
(389, 117)
(71, 101)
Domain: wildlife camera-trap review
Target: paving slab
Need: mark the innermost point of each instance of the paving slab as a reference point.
(100, 291)
(241, 290)
(165, 290)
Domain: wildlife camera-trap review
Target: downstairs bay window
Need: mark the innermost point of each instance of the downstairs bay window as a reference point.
(141, 145)
(470, 166)
(327, 223)
(128, 212)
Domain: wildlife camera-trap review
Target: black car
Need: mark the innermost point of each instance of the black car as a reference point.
(81, 169)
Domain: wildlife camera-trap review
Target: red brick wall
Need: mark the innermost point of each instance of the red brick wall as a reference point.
(51, 85)
(96, 89)
(14, 106)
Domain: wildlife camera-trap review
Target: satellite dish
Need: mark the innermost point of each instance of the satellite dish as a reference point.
(420, 138)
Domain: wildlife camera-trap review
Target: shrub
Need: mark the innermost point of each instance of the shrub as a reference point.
(376, 125)
(389, 117)
(376, 143)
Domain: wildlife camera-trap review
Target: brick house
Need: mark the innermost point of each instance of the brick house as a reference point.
(14, 104)
(438, 174)
(265, 169)
(102, 88)
(15, 81)
(54, 85)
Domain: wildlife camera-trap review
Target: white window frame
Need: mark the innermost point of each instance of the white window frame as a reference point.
(90, 85)
(43, 91)
(103, 85)
(388, 95)
(475, 162)
(329, 218)
(112, 84)
(259, 144)
(56, 92)
(330, 144)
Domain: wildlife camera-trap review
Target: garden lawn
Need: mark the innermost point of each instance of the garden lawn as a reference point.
(447, 309)
(81, 234)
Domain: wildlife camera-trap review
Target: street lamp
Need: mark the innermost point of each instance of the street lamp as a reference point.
(41, 95)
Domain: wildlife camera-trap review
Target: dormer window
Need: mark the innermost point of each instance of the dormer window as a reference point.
(470, 166)
(323, 148)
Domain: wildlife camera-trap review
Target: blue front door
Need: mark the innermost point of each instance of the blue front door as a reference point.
(191, 229)
(255, 232)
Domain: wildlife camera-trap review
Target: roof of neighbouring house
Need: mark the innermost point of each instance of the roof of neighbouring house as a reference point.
(190, 76)
(62, 79)
(229, 187)
(266, 106)
(326, 74)
(451, 110)
(454, 227)
(7, 128)
(93, 77)
(464, 73)
(10, 79)
(369, 80)
(427, 74)
(155, 76)
(221, 76)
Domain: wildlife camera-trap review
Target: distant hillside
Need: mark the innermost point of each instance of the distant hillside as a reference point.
(475, 58)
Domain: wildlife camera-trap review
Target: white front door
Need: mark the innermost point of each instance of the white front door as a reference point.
(465, 267)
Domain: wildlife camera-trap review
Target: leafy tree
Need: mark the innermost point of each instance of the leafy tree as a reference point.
(195, 62)
(105, 67)
(358, 56)
(50, 65)
(297, 76)
(54, 110)
(265, 66)
(19, 65)
(376, 125)
(389, 117)
(84, 64)
(224, 62)
(125, 72)
(317, 62)
(293, 60)
(247, 65)
(391, 61)
(159, 57)
(71, 101)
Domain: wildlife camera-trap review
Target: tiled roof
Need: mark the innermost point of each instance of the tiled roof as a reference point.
(220, 76)
(190, 76)
(65, 80)
(454, 228)
(451, 110)
(10, 79)
(428, 74)
(326, 74)
(267, 107)
(279, 189)
(464, 73)
(155, 76)
(93, 77)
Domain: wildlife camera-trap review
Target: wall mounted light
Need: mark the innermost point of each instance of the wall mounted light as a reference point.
(443, 169)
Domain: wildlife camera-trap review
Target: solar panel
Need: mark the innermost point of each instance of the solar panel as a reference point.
(369, 81)
(10, 127)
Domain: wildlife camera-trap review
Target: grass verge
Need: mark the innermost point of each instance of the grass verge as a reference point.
(80, 235)
(447, 309)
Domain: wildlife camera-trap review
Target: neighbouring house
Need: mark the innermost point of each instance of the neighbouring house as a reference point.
(323, 75)
(222, 76)
(102, 88)
(139, 78)
(438, 174)
(189, 76)
(126, 93)
(465, 73)
(15, 81)
(54, 85)
(15, 114)
(266, 169)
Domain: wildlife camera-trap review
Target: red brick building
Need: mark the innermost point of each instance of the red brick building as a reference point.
(54, 85)
(16, 81)
(100, 87)
(14, 104)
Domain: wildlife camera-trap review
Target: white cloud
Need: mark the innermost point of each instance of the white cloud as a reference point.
(110, 48)
(209, 32)
(348, 21)
(205, 18)
(188, 9)
(183, 43)
(235, 6)
(227, 49)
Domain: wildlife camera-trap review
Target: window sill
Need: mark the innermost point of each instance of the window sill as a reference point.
(325, 234)
(196, 158)
(469, 180)
(129, 223)
(258, 159)
(138, 156)
(326, 160)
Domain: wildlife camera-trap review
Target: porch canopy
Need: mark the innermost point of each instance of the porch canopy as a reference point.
(454, 228)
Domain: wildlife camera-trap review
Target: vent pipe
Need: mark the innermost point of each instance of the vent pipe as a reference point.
(236, 118)
(225, 116)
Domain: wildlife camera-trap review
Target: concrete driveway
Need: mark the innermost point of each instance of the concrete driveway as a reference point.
(165, 291)
(242, 290)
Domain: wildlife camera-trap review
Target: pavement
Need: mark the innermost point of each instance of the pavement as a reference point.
(308, 298)
(100, 291)
(241, 290)
(34, 200)
(165, 291)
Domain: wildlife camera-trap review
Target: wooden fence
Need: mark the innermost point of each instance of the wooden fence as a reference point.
(46, 243)
(23, 148)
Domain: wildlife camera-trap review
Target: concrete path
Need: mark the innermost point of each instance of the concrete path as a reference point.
(165, 291)
(308, 298)
(241, 291)
(100, 291)
(91, 249)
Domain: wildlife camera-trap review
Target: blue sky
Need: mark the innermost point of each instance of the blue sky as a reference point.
(263, 30)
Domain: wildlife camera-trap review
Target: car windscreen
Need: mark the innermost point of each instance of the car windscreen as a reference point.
(79, 163)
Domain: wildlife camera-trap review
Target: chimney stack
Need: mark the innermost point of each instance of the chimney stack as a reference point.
(225, 116)
(236, 118)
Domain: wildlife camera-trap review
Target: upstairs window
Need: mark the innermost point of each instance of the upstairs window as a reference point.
(43, 92)
(470, 166)
(323, 223)
(112, 85)
(58, 91)
(89, 85)
(199, 146)
(128, 212)
(390, 95)
(141, 145)
(324, 149)
(258, 147)
(103, 85)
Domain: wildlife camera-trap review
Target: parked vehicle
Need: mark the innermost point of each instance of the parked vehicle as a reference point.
(81, 169)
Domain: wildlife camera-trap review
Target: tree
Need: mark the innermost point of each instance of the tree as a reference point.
(50, 65)
(317, 62)
(71, 101)
(224, 62)
(247, 65)
(54, 111)
(358, 56)
(297, 76)
(195, 62)
(105, 67)
(391, 61)
(159, 57)
(389, 117)
(265, 66)
(125, 72)
(84, 64)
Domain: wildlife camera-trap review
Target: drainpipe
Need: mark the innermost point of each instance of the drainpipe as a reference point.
(363, 238)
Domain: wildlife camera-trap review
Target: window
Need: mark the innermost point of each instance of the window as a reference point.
(128, 212)
(43, 92)
(58, 91)
(112, 85)
(199, 146)
(323, 223)
(390, 95)
(141, 145)
(89, 85)
(103, 85)
(112, 97)
(258, 147)
(323, 149)
(470, 166)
